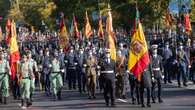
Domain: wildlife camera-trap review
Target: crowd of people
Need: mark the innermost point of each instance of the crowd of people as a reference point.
(87, 67)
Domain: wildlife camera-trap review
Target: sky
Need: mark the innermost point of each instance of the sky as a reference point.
(174, 5)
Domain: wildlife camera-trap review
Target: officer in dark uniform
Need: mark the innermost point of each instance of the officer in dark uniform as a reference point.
(183, 62)
(192, 59)
(187, 51)
(157, 70)
(167, 54)
(134, 89)
(46, 71)
(72, 63)
(39, 60)
(146, 83)
(81, 70)
(108, 73)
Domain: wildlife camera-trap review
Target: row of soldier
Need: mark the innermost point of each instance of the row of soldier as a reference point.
(92, 67)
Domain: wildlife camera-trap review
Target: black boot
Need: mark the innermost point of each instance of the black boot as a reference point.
(143, 105)
(59, 95)
(55, 97)
(160, 100)
(28, 103)
(22, 103)
(148, 105)
(107, 103)
(1, 100)
(133, 101)
(5, 100)
(31, 97)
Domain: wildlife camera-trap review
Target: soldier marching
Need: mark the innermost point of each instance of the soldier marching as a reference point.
(88, 66)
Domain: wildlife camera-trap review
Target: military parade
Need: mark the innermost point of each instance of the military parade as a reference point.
(116, 66)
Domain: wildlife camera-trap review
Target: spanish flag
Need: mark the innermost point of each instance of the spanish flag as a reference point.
(1, 35)
(111, 37)
(14, 50)
(168, 19)
(63, 41)
(187, 23)
(100, 28)
(8, 31)
(76, 31)
(88, 30)
(138, 54)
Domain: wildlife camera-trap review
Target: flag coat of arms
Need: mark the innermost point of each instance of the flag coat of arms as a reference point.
(138, 54)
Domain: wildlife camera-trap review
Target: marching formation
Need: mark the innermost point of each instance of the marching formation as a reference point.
(87, 68)
(109, 65)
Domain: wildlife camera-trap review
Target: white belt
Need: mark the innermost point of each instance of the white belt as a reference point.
(107, 71)
(156, 69)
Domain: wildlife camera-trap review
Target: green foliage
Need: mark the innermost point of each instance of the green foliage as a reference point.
(193, 11)
(32, 12)
(4, 8)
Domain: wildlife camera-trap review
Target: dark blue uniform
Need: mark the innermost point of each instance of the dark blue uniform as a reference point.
(157, 67)
(108, 75)
(71, 74)
(46, 72)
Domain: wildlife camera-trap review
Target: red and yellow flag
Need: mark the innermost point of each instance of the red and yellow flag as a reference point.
(138, 54)
(63, 35)
(88, 29)
(76, 31)
(111, 38)
(168, 19)
(8, 31)
(14, 50)
(1, 35)
(187, 23)
(100, 29)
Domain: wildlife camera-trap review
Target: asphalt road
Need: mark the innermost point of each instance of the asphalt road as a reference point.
(174, 99)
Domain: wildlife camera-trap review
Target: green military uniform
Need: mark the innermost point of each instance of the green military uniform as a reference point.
(4, 80)
(56, 78)
(25, 73)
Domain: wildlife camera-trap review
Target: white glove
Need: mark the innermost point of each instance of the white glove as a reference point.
(153, 79)
(62, 70)
(163, 76)
(50, 65)
(98, 67)
(98, 73)
(65, 61)
(75, 63)
(84, 65)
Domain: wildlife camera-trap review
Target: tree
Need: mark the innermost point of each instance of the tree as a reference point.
(32, 12)
(4, 7)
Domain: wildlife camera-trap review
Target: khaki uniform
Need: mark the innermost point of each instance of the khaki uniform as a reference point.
(91, 75)
(120, 69)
